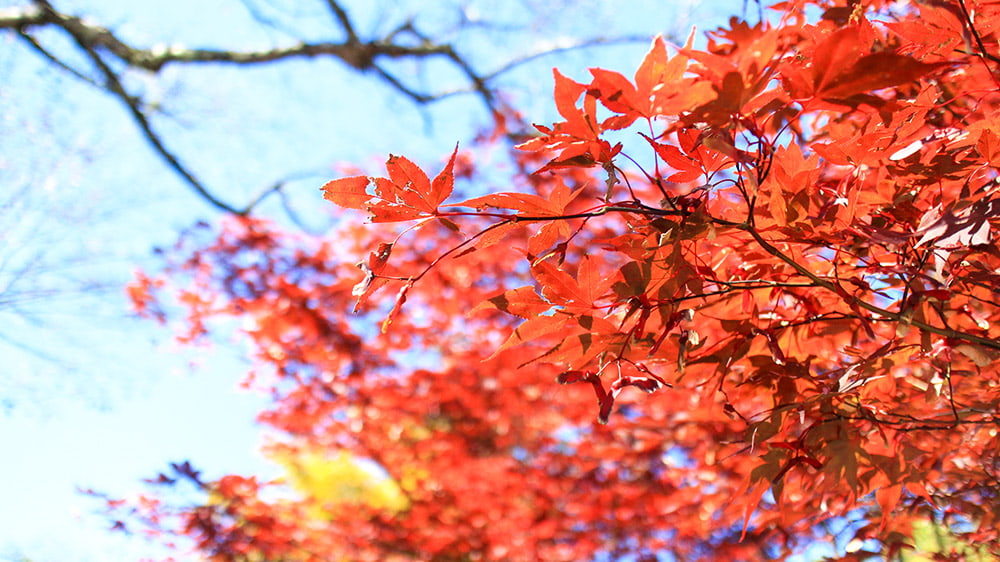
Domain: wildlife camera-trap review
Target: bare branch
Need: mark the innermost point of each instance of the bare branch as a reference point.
(343, 20)
(99, 42)
(278, 187)
(355, 53)
(111, 55)
(55, 60)
(402, 88)
(22, 18)
(113, 84)
(268, 22)
(598, 42)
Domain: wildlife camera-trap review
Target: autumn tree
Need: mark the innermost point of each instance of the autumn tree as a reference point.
(763, 271)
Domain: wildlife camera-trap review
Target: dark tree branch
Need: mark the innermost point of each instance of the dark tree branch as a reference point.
(108, 52)
(55, 60)
(354, 52)
(344, 21)
(22, 18)
(113, 84)
(97, 42)
(417, 97)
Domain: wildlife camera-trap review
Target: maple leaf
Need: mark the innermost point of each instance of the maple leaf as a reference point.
(406, 194)
(688, 169)
(523, 302)
(843, 67)
(349, 192)
(529, 204)
(874, 72)
(397, 306)
(530, 330)
(661, 82)
(578, 137)
(376, 263)
(949, 229)
(557, 285)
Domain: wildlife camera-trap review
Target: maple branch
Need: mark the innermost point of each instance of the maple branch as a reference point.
(951, 394)
(894, 316)
(258, 16)
(922, 424)
(752, 285)
(626, 207)
(977, 297)
(760, 283)
(983, 54)
(454, 249)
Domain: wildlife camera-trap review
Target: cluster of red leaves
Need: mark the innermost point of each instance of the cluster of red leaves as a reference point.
(801, 276)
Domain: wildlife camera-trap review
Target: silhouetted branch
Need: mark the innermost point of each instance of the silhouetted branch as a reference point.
(110, 55)
(98, 43)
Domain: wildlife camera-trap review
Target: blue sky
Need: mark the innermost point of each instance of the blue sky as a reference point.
(92, 398)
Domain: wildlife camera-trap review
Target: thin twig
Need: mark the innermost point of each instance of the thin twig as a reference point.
(52, 58)
(599, 42)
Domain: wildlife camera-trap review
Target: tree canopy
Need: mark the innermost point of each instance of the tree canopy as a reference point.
(738, 302)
